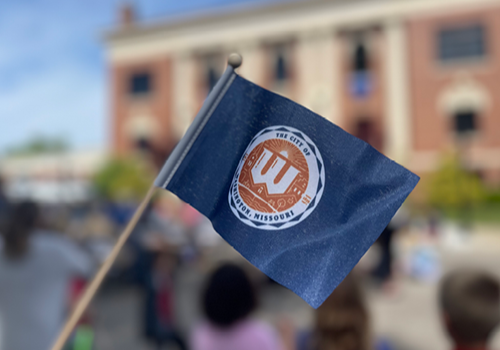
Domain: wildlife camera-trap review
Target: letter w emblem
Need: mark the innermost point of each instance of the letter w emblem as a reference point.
(274, 171)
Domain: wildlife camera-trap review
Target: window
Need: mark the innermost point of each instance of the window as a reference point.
(463, 42)
(213, 67)
(212, 77)
(366, 130)
(360, 80)
(360, 59)
(281, 67)
(280, 63)
(143, 144)
(465, 122)
(140, 84)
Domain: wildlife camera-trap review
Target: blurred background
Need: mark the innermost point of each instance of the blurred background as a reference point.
(94, 96)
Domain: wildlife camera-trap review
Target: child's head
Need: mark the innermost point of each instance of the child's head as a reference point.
(470, 306)
(229, 296)
(342, 321)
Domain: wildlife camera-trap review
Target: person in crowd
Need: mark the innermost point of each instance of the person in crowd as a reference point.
(160, 300)
(36, 268)
(341, 322)
(228, 302)
(155, 243)
(383, 273)
(470, 308)
(4, 205)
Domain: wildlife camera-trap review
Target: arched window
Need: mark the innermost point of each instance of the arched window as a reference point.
(143, 144)
(465, 122)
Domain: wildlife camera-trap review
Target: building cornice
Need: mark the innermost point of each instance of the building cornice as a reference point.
(232, 28)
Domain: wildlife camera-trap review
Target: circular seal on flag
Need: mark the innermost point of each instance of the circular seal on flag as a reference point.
(279, 180)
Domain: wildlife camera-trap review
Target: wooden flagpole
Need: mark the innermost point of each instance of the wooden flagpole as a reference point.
(164, 177)
(86, 298)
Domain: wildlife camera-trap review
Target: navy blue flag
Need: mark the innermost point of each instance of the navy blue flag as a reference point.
(296, 195)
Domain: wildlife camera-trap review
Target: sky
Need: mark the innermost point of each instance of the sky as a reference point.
(53, 73)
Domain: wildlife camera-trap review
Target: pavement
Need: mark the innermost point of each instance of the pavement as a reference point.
(406, 313)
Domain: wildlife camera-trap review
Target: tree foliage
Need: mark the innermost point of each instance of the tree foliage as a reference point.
(39, 145)
(124, 179)
(452, 187)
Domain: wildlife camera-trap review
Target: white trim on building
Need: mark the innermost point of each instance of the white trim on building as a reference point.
(233, 29)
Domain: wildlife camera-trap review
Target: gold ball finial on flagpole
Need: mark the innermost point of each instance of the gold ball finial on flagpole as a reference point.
(235, 60)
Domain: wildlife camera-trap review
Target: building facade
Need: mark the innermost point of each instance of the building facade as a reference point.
(414, 78)
(52, 178)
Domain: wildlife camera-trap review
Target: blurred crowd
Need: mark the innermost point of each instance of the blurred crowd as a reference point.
(48, 255)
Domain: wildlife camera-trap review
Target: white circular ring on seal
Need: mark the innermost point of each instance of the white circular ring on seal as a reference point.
(303, 207)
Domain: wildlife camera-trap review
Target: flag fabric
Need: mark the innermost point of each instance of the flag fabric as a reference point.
(294, 194)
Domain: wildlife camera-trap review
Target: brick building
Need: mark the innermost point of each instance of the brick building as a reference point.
(415, 78)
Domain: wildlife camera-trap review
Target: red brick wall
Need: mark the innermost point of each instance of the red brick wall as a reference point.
(158, 104)
(372, 106)
(432, 129)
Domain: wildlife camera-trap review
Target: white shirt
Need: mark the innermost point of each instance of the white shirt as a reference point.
(34, 291)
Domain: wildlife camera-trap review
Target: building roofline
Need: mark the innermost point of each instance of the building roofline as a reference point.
(237, 26)
(217, 15)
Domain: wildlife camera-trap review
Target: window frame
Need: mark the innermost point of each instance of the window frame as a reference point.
(471, 59)
(211, 62)
(140, 94)
(283, 50)
(474, 122)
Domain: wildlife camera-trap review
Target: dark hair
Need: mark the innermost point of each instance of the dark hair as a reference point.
(470, 301)
(229, 296)
(22, 220)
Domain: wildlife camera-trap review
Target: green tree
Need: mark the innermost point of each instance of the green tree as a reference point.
(452, 188)
(39, 145)
(124, 179)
